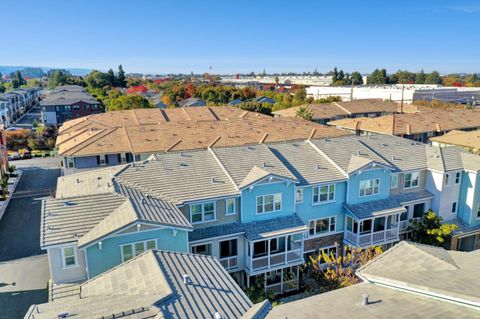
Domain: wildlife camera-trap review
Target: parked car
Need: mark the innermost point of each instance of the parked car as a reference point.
(13, 156)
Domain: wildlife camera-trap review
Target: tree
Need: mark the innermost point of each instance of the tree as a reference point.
(97, 79)
(356, 78)
(433, 78)
(378, 77)
(121, 80)
(56, 78)
(4, 186)
(2, 87)
(17, 80)
(304, 113)
(111, 77)
(253, 106)
(327, 271)
(430, 230)
(420, 78)
(128, 102)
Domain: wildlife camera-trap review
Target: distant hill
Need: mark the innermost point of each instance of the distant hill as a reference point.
(73, 71)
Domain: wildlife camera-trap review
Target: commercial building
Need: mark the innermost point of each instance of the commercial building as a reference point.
(123, 136)
(419, 126)
(398, 92)
(15, 103)
(260, 209)
(68, 102)
(324, 113)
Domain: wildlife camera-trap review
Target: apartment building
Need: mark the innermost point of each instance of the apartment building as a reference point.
(124, 136)
(467, 140)
(68, 102)
(261, 209)
(419, 126)
(324, 113)
(15, 103)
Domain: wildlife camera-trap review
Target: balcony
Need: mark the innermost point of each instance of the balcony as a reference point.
(229, 263)
(371, 232)
(403, 224)
(274, 253)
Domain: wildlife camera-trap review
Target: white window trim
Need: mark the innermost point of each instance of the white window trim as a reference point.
(326, 201)
(204, 244)
(263, 204)
(404, 179)
(459, 178)
(235, 211)
(203, 213)
(478, 209)
(64, 265)
(391, 179)
(329, 232)
(134, 254)
(301, 200)
(373, 188)
(456, 207)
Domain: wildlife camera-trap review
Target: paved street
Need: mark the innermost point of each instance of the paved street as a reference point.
(32, 115)
(24, 281)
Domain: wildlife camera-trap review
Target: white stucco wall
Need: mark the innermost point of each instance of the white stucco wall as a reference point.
(66, 275)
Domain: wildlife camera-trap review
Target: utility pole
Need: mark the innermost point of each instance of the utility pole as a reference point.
(401, 103)
(351, 90)
(433, 96)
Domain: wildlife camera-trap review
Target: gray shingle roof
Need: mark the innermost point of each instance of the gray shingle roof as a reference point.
(271, 227)
(462, 227)
(216, 231)
(151, 285)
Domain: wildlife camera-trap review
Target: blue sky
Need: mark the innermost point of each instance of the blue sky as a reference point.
(243, 36)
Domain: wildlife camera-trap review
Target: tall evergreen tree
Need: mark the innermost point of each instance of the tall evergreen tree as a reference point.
(111, 77)
(121, 80)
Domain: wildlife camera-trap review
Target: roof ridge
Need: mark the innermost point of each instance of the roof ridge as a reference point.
(342, 108)
(316, 148)
(223, 168)
(104, 132)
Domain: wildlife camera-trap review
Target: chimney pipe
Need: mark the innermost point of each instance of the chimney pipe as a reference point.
(186, 279)
(364, 300)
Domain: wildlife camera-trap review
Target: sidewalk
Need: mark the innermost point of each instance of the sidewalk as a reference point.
(12, 185)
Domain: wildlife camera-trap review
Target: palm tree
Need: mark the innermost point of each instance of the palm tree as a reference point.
(305, 113)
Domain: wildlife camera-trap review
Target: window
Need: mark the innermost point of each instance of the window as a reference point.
(324, 193)
(394, 181)
(299, 195)
(369, 187)
(447, 178)
(230, 206)
(203, 249)
(454, 207)
(269, 203)
(411, 180)
(69, 257)
(228, 248)
(76, 107)
(131, 250)
(457, 177)
(321, 226)
(201, 213)
(478, 211)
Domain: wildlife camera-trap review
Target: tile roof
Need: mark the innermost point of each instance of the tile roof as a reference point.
(216, 231)
(342, 109)
(151, 285)
(437, 120)
(462, 227)
(470, 139)
(157, 130)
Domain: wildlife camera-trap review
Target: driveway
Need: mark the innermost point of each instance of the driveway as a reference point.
(34, 114)
(20, 225)
(23, 282)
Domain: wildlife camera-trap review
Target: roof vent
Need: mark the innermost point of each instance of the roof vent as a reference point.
(186, 279)
(98, 177)
(384, 144)
(218, 315)
(78, 180)
(364, 300)
(62, 315)
(319, 167)
(214, 180)
(144, 201)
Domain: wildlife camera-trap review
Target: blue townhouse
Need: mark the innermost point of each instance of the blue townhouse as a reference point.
(262, 209)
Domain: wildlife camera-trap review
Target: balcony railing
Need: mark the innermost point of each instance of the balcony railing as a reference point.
(372, 238)
(284, 258)
(283, 287)
(229, 263)
(403, 224)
